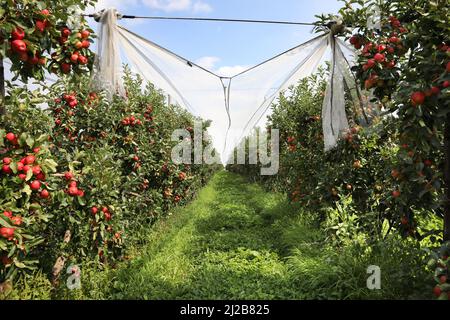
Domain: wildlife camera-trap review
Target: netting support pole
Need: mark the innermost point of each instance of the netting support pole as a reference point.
(2, 87)
(446, 234)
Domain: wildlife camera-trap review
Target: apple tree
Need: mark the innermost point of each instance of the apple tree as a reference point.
(43, 35)
(406, 65)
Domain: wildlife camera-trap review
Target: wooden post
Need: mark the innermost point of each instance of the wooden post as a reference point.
(446, 233)
(2, 87)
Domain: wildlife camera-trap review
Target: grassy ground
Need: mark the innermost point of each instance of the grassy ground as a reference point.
(236, 241)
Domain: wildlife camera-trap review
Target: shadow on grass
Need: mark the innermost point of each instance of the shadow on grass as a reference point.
(237, 241)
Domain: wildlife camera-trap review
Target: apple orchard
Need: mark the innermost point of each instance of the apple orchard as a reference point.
(85, 175)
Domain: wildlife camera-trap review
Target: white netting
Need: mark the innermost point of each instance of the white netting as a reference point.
(234, 104)
(108, 62)
(334, 119)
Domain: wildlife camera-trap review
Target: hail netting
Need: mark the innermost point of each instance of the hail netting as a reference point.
(234, 104)
(108, 60)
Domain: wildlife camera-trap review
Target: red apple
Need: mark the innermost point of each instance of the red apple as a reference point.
(19, 46)
(18, 34)
(418, 98)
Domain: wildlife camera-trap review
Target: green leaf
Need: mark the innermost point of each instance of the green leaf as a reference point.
(19, 264)
(30, 142)
(4, 223)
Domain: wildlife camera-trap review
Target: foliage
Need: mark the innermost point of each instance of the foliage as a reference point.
(237, 241)
(45, 36)
(409, 58)
(100, 181)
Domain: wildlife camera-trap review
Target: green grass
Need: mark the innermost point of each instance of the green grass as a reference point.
(236, 241)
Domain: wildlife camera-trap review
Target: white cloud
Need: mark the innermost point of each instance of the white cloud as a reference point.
(168, 5)
(118, 4)
(229, 71)
(201, 7)
(178, 5)
(208, 62)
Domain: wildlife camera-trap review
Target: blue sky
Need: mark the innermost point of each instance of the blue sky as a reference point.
(223, 47)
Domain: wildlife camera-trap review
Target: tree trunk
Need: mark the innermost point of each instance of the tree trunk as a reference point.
(447, 179)
(2, 87)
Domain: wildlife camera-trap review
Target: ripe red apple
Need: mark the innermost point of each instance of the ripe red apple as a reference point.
(7, 233)
(371, 63)
(35, 185)
(74, 58)
(85, 34)
(73, 103)
(446, 84)
(443, 279)
(437, 291)
(354, 40)
(18, 34)
(391, 65)
(448, 67)
(78, 45)
(105, 210)
(73, 191)
(41, 176)
(19, 46)
(381, 48)
(20, 166)
(10, 137)
(6, 169)
(22, 176)
(94, 210)
(435, 90)
(17, 221)
(85, 44)
(379, 57)
(82, 60)
(45, 12)
(26, 168)
(68, 176)
(396, 194)
(34, 60)
(7, 214)
(65, 32)
(45, 194)
(36, 150)
(418, 98)
(368, 84)
(41, 25)
(7, 160)
(65, 68)
(73, 184)
(394, 40)
(182, 176)
(36, 170)
(30, 159)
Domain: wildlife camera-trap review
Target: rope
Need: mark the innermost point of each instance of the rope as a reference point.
(209, 19)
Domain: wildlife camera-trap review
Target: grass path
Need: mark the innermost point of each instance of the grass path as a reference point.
(232, 242)
(236, 241)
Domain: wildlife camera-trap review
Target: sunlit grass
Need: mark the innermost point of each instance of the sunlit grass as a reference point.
(236, 241)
